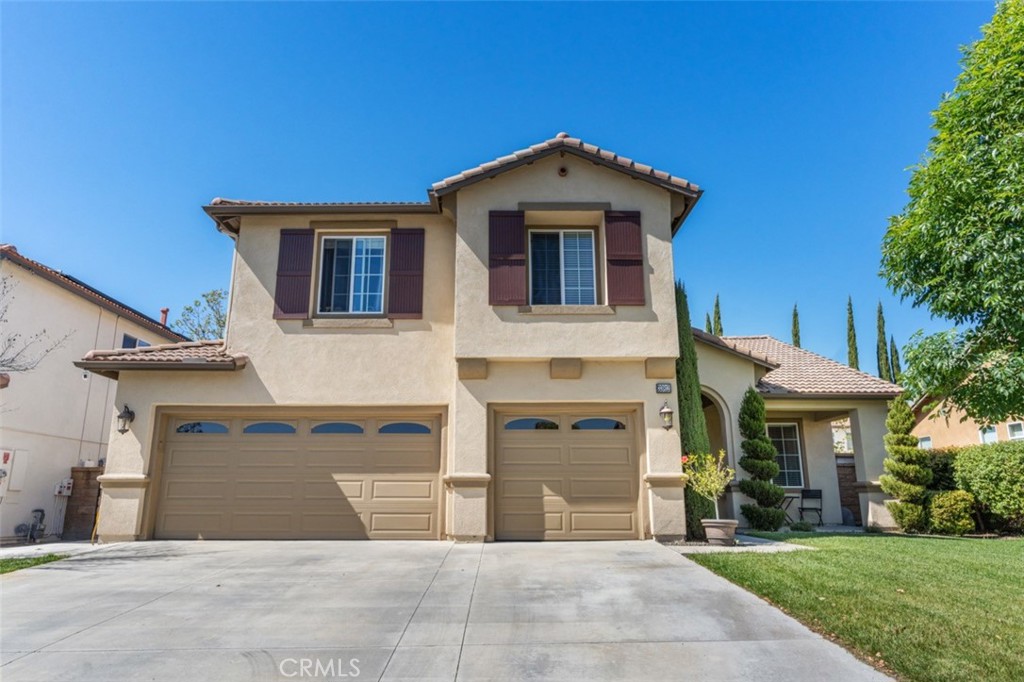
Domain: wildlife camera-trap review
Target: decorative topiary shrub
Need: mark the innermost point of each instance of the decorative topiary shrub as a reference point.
(759, 461)
(801, 527)
(907, 473)
(952, 512)
(994, 474)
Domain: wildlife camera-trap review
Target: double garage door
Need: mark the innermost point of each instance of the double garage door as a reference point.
(558, 475)
(346, 478)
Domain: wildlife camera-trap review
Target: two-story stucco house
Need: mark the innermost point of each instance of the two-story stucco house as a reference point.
(494, 363)
(55, 416)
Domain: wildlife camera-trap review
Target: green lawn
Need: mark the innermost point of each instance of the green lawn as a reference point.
(8, 565)
(922, 608)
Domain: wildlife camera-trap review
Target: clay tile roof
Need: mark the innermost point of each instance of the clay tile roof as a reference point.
(802, 373)
(190, 355)
(80, 288)
(221, 201)
(729, 347)
(564, 142)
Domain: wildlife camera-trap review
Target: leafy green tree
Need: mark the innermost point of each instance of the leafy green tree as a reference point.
(882, 348)
(796, 326)
(907, 472)
(759, 461)
(693, 429)
(707, 324)
(894, 355)
(717, 319)
(956, 247)
(851, 336)
(205, 318)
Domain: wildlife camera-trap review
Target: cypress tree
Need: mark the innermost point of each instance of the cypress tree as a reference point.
(693, 430)
(796, 327)
(894, 355)
(851, 336)
(907, 472)
(707, 323)
(718, 318)
(882, 348)
(759, 461)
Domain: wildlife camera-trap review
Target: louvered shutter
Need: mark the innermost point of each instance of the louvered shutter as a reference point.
(624, 251)
(294, 272)
(405, 278)
(507, 262)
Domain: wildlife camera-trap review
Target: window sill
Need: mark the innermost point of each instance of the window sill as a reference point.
(567, 310)
(349, 323)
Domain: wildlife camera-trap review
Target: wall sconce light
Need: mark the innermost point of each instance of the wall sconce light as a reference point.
(125, 418)
(666, 415)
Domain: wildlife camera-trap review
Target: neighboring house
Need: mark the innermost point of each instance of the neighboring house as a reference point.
(941, 426)
(494, 363)
(56, 416)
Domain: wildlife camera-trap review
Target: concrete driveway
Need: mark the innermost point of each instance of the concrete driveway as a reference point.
(398, 610)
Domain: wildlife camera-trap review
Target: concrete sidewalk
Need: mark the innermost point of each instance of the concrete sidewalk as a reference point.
(398, 610)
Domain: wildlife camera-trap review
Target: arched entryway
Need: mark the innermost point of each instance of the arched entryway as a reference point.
(717, 420)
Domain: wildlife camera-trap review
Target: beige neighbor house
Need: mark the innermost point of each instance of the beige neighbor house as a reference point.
(56, 416)
(941, 426)
(494, 363)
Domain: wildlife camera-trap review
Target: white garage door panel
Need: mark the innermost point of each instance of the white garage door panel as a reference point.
(300, 485)
(566, 476)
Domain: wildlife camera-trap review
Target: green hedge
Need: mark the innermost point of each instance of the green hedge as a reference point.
(941, 462)
(994, 474)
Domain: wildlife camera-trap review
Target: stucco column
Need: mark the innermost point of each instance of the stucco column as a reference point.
(467, 480)
(664, 479)
(867, 424)
(125, 480)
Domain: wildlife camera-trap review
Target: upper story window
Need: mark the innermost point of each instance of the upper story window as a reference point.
(562, 267)
(987, 435)
(924, 442)
(1015, 430)
(352, 275)
(129, 341)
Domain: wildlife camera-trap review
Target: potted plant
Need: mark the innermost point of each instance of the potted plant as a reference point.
(709, 477)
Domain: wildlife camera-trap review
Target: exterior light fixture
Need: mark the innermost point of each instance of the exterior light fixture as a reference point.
(666, 415)
(125, 418)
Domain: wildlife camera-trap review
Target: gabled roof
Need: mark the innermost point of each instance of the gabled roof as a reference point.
(803, 374)
(190, 355)
(226, 212)
(80, 288)
(729, 347)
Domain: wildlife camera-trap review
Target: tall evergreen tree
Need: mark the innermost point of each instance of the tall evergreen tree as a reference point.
(759, 461)
(707, 324)
(693, 430)
(882, 348)
(894, 356)
(718, 318)
(796, 326)
(851, 336)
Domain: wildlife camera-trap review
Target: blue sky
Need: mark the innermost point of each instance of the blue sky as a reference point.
(799, 121)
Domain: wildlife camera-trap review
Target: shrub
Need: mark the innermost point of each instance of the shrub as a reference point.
(907, 473)
(909, 516)
(940, 461)
(801, 527)
(759, 461)
(994, 474)
(952, 512)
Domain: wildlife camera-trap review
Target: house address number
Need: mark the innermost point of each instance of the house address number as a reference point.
(663, 387)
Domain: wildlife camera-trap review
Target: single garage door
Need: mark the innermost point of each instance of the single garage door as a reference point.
(566, 476)
(338, 478)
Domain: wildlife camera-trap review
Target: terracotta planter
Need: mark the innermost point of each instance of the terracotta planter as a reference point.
(720, 532)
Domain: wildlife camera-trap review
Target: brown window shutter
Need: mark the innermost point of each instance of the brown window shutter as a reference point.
(405, 277)
(507, 258)
(624, 250)
(294, 272)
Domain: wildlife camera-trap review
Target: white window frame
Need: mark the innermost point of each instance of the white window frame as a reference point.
(799, 449)
(924, 442)
(1009, 435)
(981, 434)
(561, 259)
(351, 276)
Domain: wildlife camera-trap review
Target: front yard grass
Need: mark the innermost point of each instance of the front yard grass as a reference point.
(8, 565)
(919, 608)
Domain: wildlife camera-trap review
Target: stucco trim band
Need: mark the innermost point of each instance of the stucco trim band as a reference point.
(660, 368)
(665, 479)
(123, 480)
(349, 323)
(566, 368)
(472, 368)
(467, 480)
(566, 310)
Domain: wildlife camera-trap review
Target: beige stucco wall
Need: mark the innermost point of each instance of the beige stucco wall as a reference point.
(953, 430)
(485, 331)
(55, 416)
